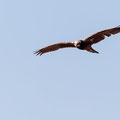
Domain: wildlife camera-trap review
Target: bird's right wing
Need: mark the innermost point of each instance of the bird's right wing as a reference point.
(54, 47)
(97, 37)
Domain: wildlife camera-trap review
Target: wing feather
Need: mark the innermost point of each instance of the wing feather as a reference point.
(54, 47)
(97, 37)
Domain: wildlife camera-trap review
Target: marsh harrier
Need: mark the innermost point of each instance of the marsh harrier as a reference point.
(85, 44)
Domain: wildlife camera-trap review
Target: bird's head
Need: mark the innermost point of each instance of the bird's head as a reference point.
(78, 43)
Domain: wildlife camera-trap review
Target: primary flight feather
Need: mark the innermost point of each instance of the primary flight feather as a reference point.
(85, 44)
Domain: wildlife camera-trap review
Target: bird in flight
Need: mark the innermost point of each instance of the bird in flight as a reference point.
(85, 44)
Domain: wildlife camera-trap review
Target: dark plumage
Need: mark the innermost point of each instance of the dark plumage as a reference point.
(85, 44)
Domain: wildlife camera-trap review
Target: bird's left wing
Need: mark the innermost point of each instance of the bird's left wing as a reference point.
(97, 37)
(54, 47)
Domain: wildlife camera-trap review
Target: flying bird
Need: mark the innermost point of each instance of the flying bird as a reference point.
(85, 44)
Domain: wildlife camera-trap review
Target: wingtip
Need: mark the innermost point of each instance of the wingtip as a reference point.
(38, 53)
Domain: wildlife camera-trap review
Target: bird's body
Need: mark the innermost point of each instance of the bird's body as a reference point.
(85, 44)
(82, 45)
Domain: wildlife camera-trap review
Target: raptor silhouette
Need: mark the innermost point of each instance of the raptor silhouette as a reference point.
(85, 44)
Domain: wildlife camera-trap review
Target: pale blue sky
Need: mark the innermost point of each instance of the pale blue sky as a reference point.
(68, 84)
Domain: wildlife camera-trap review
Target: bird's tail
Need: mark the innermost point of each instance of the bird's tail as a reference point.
(92, 50)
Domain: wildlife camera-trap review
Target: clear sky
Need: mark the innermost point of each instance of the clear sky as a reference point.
(68, 84)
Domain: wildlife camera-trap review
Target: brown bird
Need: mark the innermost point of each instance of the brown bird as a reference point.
(85, 44)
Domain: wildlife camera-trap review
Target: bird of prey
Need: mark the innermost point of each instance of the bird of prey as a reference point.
(85, 44)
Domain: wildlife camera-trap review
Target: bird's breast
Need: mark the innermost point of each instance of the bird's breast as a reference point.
(82, 46)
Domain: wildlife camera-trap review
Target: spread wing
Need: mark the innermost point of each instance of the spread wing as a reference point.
(54, 47)
(97, 37)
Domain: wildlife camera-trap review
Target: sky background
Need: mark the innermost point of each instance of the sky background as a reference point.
(68, 84)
